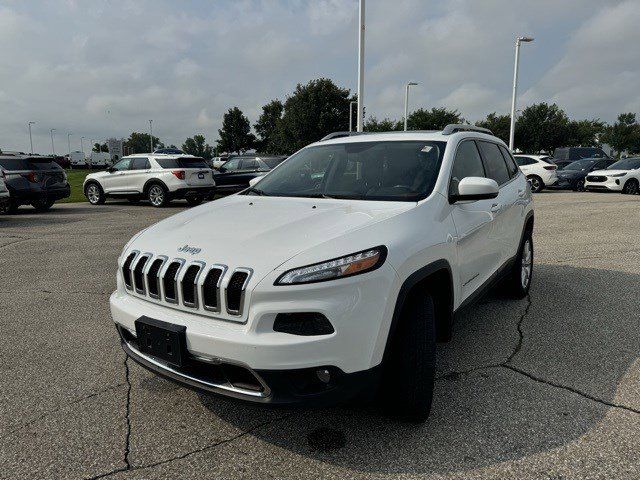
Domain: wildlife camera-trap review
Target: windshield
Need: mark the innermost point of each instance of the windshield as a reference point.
(182, 162)
(626, 164)
(580, 165)
(395, 171)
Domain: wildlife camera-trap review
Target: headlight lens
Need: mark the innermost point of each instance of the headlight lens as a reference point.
(618, 174)
(354, 264)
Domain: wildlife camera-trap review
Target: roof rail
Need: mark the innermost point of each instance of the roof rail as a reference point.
(340, 135)
(455, 128)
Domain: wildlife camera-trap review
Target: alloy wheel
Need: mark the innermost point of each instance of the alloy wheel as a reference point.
(93, 194)
(156, 195)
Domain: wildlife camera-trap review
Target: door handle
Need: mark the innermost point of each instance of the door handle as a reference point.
(495, 208)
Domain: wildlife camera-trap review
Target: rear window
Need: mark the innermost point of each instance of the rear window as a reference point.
(273, 162)
(29, 164)
(182, 162)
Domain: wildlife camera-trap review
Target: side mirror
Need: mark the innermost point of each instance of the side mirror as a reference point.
(475, 188)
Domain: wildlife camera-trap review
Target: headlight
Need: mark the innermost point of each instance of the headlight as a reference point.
(618, 174)
(354, 264)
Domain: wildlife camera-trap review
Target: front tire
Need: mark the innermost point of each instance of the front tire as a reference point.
(94, 194)
(410, 370)
(518, 281)
(536, 183)
(158, 195)
(631, 187)
(579, 186)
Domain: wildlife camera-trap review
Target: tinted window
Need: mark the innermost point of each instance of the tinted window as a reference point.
(273, 162)
(494, 164)
(140, 164)
(14, 164)
(182, 162)
(511, 164)
(626, 164)
(580, 165)
(466, 164)
(29, 164)
(232, 164)
(394, 171)
(249, 164)
(525, 161)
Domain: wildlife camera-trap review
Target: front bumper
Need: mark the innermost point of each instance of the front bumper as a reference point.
(610, 185)
(206, 191)
(24, 197)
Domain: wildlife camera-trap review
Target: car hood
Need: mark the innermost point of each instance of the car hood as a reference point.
(608, 172)
(572, 173)
(260, 233)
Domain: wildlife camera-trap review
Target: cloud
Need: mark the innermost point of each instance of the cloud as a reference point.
(103, 69)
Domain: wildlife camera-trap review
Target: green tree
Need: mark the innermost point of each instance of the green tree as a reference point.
(100, 148)
(434, 119)
(235, 134)
(139, 143)
(385, 125)
(267, 127)
(624, 134)
(584, 133)
(197, 146)
(314, 110)
(500, 125)
(542, 128)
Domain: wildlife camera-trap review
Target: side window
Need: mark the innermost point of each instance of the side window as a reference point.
(140, 163)
(602, 164)
(123, 164)
(249, 164)
(525, 161)
(494, 164)
(511, 164)
(466, 164)
(232, 164)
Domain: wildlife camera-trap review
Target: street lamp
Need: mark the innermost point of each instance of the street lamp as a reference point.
(512, 129)
(406, 102)
(31, 139)
(69, 143)
(361, 66)
(52, 147)
(351, 104)
(151, 134)
(82, 146)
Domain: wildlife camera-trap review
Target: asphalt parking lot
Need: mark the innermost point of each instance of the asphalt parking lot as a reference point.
(547, 387)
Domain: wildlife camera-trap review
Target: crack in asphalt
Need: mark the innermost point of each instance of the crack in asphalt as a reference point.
(20, 240)
(61, 407)
(131, 468)
(127, 444)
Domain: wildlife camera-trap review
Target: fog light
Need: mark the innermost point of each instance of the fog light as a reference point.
(323, 375)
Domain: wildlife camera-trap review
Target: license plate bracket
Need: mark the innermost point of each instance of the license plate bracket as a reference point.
(162, 340)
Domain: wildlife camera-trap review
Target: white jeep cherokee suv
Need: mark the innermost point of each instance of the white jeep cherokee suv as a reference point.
(335, 273)
(156, 177)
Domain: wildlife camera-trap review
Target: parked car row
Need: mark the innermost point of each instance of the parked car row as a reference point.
(160, 177)
(31, 180)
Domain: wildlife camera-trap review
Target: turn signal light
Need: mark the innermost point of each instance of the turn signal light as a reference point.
(179, 174)
(31, 176)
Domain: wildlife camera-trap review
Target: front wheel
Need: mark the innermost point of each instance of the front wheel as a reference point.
(158, 195)
(631, 187)
(536, 183)
(579, 186)
(518, 281)
(407, 389)
(94, 194)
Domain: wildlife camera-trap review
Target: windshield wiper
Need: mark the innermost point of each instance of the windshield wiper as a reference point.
(257, 191)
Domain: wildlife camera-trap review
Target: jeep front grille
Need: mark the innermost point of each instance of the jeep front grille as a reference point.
(192, 284)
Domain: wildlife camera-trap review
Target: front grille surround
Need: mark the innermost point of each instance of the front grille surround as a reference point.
(207, 305)
(242, 291)
(127, 275)
(597, 178)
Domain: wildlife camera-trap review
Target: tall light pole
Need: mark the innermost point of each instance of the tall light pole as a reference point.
(69, 143)
(31, 139)
(512, 129)
(351, 104)
(361, 67)
(406, 102)
(151, 134)
(52, 147)
(82, 146)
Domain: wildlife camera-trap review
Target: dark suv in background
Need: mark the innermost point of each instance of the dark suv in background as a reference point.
(234, 175)
(33, 180)
(572, 175)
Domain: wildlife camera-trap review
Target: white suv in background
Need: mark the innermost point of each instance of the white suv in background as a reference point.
(623, 176)
(538, 170)
(336, 273)
(4, 192)
(158, 178)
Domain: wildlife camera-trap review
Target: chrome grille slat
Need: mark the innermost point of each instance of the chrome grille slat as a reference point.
(189, 284)
(126, 269)
(138, 273)
(170, 280)
(211, 288)
(235, 291)
(153, 277)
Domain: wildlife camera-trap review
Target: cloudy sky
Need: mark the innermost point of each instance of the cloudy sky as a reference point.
(103, 68)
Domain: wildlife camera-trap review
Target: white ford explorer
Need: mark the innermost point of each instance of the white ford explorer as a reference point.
(156, 177)
(335, 274)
